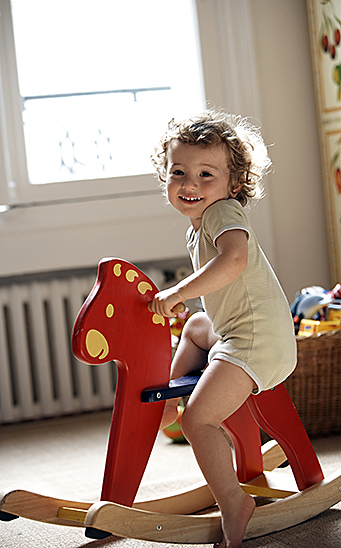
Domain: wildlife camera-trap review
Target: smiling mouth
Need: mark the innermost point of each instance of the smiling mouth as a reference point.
(190, 199)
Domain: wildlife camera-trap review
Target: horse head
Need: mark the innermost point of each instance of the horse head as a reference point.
(114, 323)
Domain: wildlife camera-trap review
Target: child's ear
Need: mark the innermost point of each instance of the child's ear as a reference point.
(236, 189)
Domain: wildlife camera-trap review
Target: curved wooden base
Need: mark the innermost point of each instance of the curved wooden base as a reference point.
(140, 524)
(167, 519)
(152, 526)
(297, 508)
(26, 504)
(187, 501)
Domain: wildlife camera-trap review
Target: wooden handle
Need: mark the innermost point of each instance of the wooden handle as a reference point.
(178, 308)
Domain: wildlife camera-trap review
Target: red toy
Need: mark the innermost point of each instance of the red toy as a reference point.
(115, 324)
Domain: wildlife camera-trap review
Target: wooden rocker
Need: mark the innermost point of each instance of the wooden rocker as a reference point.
(115, 324)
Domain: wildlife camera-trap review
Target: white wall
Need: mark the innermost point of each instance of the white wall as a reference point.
(76, 237)
(289, 121)
(289, 222)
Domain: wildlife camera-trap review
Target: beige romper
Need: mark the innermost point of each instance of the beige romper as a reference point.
(251, 315)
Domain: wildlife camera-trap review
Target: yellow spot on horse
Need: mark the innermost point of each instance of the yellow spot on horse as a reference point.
(158, 319)
(143, 287)
(131, 275)
(96, 344)
(109, 311)
(117, 269)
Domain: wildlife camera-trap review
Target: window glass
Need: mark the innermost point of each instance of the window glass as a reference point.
(100, 79)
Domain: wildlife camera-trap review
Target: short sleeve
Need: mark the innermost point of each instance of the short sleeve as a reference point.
(222, 216)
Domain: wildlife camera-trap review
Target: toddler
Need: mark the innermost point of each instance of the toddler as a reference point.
(212, 165)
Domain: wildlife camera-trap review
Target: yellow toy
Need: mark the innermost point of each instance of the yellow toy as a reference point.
(310, 327)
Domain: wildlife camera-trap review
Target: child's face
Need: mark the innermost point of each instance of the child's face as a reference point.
(196, 178)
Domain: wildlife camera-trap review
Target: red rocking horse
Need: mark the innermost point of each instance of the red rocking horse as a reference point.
(115, 324)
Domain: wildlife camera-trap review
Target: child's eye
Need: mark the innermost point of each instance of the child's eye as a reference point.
(205, 174)
(178, 172)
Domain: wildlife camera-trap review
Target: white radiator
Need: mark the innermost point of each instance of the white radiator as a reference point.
(39, 376)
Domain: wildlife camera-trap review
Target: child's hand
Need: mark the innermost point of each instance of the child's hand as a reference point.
(164, 302)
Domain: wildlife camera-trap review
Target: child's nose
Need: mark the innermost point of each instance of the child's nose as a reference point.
(189, 181)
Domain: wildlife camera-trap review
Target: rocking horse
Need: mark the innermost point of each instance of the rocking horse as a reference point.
(115, 324)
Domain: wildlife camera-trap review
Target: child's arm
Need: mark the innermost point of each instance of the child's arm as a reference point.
(230, 262)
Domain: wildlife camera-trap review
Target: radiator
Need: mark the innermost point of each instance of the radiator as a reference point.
(39, 376)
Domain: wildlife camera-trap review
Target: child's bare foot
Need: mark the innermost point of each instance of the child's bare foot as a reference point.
(235, 522)
(170, 413)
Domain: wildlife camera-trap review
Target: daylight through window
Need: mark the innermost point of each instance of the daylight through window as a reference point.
(99, 81)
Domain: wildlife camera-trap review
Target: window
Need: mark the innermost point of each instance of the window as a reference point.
(98, 82)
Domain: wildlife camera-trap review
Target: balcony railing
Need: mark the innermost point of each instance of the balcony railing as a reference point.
(134, 91)
(87, 135)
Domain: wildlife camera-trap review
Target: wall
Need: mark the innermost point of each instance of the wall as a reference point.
(289, 122)
(75, 237)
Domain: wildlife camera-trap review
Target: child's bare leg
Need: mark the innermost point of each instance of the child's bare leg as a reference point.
(196, 340)
(221, 390)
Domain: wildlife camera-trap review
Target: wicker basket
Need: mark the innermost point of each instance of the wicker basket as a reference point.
(315, 385)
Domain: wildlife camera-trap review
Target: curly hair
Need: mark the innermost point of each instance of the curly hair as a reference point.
(246, 152)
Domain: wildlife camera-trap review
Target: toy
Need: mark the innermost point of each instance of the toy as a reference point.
(334, 312)
(114, 323)
(312, 303)
(176, 326)
(310, 327)
(174, 431)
